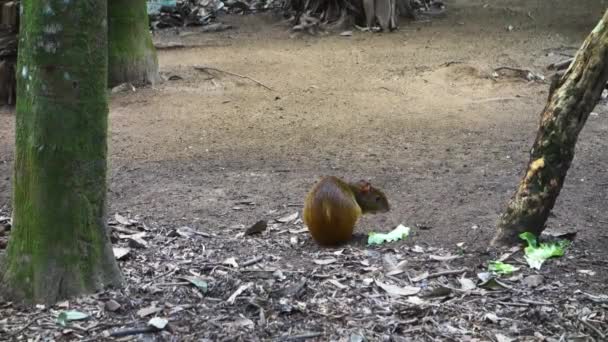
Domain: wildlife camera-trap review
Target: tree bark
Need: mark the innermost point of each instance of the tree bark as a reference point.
(132, 56)
(59, 245)
(571, 98)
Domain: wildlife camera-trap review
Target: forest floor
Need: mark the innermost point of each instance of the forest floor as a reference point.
(418, 112)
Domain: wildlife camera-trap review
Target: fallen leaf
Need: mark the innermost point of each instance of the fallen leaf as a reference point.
(241, 323)
(288, 218)
(238, 291)
(64, 304)
(158, 323)
(257, 228)
(231, 262)
(135, 240)
(444, 257)
(534, 280)
(120, 252)
(503, 338)
(356, 338)
(124, 230)
(491, 317)
(398, 269)
(602, 299)
(420, 277)
(586, 272)
(337, 284)
(417, 249)
(466, 284)
(197, 281)
(121, 219)
(417, 300)
(494, 284)
(325, 261)
(394, 290)
(147, 311)
(298, 231)
(112, 305)
(189, 232)
(185, 232)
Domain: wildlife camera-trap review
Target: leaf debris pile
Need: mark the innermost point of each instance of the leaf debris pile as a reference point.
(276, 284)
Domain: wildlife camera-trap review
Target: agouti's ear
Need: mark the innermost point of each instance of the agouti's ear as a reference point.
(364, 186)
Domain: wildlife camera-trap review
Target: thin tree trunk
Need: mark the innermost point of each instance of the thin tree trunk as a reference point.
(59, 245)
(132, 56)
(571, 98)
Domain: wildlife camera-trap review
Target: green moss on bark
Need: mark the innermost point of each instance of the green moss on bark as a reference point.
(59, 245)
(132, 56)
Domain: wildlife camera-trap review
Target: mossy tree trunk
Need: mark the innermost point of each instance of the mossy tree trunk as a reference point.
(132, 56)
(571, 98)
(59, 245)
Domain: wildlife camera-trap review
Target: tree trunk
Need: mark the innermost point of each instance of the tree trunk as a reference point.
(571, 98)
(59, 245)
(132, 56)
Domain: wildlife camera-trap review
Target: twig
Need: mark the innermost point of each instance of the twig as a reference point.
(528, 301)
(238, 291)
(514, 304)
(523, 73)
(205, 68)
(179, 283)
(299, 337)
(492, 99)
(27, 325)
(160, 276)
(164, 274)
(530, 16)
(560, 65)
(252, 261)
(133, 331)
(448, 272)
(594, 329)
(169, 46)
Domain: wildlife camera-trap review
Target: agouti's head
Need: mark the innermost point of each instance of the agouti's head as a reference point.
(370, 199)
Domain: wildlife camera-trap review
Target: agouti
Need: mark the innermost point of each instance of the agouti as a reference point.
(333, 206)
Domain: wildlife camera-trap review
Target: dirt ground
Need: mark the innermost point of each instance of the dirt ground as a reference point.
(416, 111)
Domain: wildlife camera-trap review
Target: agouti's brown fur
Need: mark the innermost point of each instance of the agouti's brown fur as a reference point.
(333, 206)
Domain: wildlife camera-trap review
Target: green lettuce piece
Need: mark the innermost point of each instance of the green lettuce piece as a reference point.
(66, 316)
(536, 254)
(398, 233)
(500, 267)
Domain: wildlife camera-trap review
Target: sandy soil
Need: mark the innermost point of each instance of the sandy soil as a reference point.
(414, 111)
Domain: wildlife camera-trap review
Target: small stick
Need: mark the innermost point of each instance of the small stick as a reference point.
(205, 68)
(133, 331)
(591, 327)
(252, 261)
(560, 65)
(304, 336)
(528, 301)
(27, 325)
(514, 304)
(449, 272)
(492, 99)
